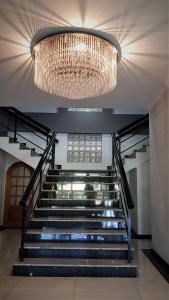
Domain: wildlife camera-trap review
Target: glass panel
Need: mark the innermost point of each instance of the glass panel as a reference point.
(19, 191)
(13, 190)
(12, 200)
(18, 198)
(21, 171)
(14, 172)
(26, 181)
(27, 172)
(84, 148)
(20, 181)
(13, 181)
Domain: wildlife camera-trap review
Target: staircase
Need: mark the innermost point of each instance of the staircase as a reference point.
(75, 230)
(21, 136)
(137, 158)
(21, 151)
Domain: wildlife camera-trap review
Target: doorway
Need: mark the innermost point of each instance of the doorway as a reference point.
(17, 178)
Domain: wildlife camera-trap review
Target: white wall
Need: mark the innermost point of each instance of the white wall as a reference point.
(143, 199)
(132, 178)
(61, 154)
(139, 181)
(159, 154)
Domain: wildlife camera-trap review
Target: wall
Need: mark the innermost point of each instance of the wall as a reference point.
(61, 154)
(6, 160)
(139, 181)
(159, 153)
(132, 178)
(84, 122)
(143, 199)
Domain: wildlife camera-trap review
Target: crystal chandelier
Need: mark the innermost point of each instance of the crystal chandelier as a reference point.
(75, 65)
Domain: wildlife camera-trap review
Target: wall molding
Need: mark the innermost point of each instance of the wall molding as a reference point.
(135, 235)
(159, 263)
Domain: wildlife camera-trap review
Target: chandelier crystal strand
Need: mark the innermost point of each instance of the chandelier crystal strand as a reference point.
(75, 65)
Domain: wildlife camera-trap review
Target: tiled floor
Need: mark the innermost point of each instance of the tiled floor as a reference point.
(148, 286)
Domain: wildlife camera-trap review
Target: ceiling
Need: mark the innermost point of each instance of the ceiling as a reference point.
(140, 26)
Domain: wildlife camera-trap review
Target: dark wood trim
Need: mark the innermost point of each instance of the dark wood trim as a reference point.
(135, 235)
(1, 227)
(7, 187)
(159, 263)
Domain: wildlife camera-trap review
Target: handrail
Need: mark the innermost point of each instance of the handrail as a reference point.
(133, 126)
(34, 186)
(117, 156)
(36, 173)
(27, 120)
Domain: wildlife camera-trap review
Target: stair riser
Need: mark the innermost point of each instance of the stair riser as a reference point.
(74, 271)
(66, 238)
(52, 193)
(81, 179)
(80, 203)
(89, 172)
(77, 225)
(75, 253)
(75, 213)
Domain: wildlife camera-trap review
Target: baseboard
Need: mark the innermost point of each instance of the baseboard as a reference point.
(1, 227)
(135, 235)
(159, 263)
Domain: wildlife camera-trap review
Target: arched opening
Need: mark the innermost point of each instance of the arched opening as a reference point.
(17, 178)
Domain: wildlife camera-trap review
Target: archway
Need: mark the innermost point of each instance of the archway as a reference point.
(17, 178)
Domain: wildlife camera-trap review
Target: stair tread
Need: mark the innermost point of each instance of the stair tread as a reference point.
(81, 171)
(70, 199)
(95, 246)
(78, 181)
(78, 219)
(78, 191)
(82, 176)
(75, 262)
(77, 231)
(77, 208)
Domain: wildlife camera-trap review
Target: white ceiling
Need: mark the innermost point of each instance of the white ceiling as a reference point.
(140, 26)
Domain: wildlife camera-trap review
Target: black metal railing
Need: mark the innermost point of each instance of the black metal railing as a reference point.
(32, 195)
(133, 136)
(129, 135)
(126, 198)
(23, 129)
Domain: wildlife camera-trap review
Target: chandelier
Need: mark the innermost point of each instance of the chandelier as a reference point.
(75, 64)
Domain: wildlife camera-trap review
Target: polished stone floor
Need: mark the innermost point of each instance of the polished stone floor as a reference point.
(149, 285)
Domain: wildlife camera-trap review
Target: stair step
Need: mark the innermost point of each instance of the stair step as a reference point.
(66, 171)
(53, 181)
(78, 208)
(76, 235)
(75, 268)
(78, 211)
(113, 203)
(79, 219)
(78, 222)
(72, 178)
(102, 251)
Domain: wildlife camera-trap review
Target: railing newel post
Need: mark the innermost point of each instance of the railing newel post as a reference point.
(53, 155)
(15, 128)
(21, 252)
(129, 236)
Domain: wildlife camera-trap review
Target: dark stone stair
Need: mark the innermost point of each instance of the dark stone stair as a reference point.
(74, 233)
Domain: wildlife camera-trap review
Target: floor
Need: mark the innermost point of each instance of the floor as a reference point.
(150, 285)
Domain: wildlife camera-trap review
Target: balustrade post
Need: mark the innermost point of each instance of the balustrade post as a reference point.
(53, 155)
(129, 236)
(15, 128)
(21, 252)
